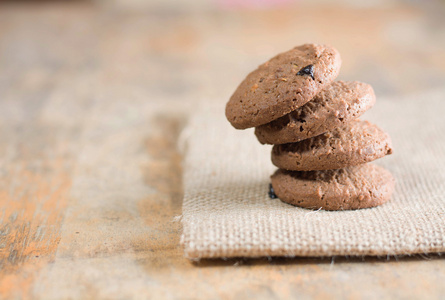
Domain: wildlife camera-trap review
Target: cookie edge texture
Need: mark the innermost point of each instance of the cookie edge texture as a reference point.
(313, 197)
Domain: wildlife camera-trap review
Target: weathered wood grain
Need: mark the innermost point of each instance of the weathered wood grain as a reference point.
(35, 180)
(92, 102)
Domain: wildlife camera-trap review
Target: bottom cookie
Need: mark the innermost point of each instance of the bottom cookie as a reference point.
(349, 188)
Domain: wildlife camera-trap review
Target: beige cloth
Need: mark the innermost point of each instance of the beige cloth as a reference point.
(227, 211)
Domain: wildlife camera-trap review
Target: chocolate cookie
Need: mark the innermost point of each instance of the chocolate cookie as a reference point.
(349, 188)
(355, 143)
(282, 84)
(336, 105)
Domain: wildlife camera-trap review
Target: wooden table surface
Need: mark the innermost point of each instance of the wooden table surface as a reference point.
(92, 100)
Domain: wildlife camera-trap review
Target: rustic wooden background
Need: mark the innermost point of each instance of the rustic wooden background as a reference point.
(93, 96)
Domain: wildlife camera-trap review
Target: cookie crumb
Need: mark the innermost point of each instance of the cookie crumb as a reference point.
(271, 192)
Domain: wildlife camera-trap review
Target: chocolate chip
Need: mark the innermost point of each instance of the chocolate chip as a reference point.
(271, 192)
(308, 70)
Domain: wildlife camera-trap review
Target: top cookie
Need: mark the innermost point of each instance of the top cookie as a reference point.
(336, 105)
(282, 85)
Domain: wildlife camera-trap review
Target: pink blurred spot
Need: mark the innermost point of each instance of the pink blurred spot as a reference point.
(252, 3)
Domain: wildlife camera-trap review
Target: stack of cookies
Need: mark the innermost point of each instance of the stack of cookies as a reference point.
(320, 147)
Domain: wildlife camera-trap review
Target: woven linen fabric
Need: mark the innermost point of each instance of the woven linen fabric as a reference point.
(227, 211)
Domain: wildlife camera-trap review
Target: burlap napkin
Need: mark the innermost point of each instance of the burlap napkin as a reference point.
(227, 211)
